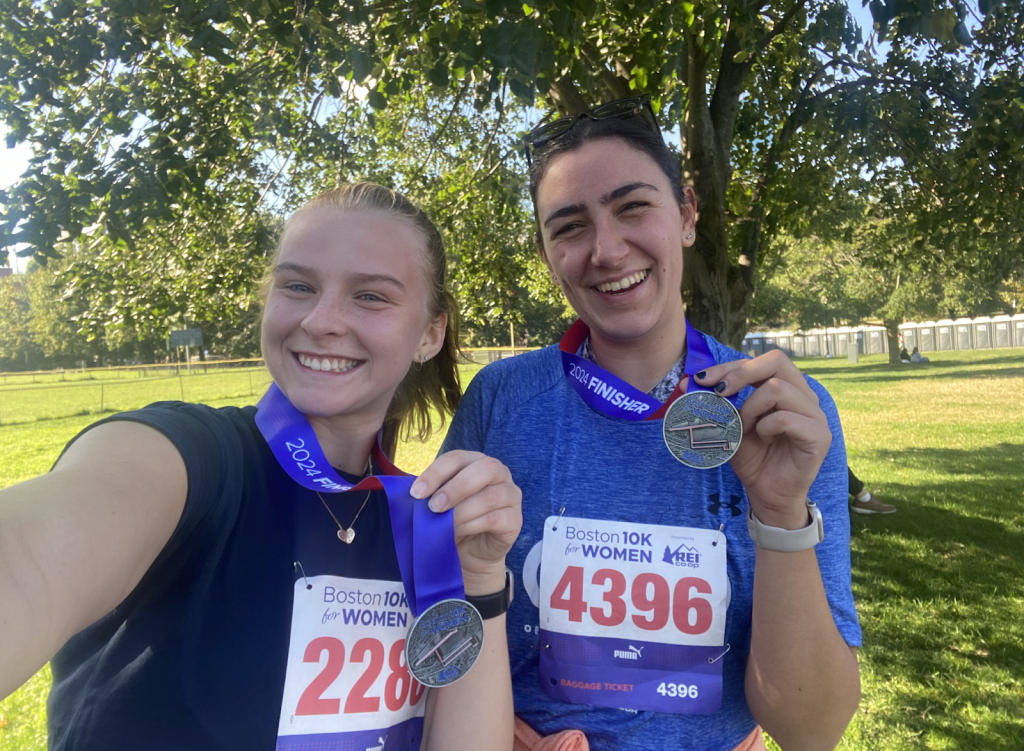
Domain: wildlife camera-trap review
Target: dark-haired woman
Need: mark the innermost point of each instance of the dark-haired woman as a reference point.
(675, 606)
(201, 579)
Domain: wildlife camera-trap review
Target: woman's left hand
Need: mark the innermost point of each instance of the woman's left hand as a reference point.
(488, 512)
(785, 435)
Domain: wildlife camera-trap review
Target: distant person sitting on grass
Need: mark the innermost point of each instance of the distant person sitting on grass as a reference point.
(916, 356)
(863, 501)
(904, 355)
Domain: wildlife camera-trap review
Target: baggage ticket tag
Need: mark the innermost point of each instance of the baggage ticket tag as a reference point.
(633, 615)
(347, 684)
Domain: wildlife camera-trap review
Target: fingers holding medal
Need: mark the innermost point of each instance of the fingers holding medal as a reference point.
(445, 641)
(785, 432)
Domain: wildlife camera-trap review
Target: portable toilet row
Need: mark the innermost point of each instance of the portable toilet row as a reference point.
(996, 332)
(945, 335)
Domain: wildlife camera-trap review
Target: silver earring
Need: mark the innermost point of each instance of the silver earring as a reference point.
(689, 236)
(554, 279)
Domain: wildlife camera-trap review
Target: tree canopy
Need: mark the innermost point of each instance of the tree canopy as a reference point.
(175, 133)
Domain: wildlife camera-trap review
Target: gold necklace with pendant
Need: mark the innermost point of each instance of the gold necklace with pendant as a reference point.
(348, 535)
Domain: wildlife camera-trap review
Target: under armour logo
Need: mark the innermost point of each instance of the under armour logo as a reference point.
(716, 505)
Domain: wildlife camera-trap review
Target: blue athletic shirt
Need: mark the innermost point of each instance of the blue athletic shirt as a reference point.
(195, 656)
(563, 453)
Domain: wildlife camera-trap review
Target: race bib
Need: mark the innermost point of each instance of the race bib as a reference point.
(347, 685)
(633, 615)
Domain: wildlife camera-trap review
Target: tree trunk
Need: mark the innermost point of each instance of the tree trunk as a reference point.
(715, 290)
(717, 302)
(892, 333)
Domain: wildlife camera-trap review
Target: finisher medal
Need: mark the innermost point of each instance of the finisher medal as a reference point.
(702, 429)
(444, 643)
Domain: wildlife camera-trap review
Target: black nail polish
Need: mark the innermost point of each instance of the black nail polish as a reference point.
(702, 375)
(720, 387)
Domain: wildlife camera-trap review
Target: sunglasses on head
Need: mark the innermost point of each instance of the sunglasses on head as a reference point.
(632, 106)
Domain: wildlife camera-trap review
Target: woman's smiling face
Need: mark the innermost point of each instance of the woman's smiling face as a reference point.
(347, 312)
(613, 234)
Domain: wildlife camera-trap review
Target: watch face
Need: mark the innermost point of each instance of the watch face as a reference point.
(702, 429)
(444, 643)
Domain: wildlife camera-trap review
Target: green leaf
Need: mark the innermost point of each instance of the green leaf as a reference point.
(362, 64)
(522, 90)
(941, 23)
(438, 75)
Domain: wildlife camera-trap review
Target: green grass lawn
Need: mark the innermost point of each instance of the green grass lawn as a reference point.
(123, 390)
(939, 585)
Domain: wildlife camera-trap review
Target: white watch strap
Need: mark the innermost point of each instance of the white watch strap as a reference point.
(787, 540)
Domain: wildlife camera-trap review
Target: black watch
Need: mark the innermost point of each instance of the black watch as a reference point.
(491, 606)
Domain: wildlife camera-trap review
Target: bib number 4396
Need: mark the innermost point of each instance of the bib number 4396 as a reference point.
(650, 597)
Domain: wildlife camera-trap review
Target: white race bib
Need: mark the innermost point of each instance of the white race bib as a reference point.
(347, 685)
(633, 615)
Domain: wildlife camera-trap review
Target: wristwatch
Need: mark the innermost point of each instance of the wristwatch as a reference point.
(787, 540)
(491, 606)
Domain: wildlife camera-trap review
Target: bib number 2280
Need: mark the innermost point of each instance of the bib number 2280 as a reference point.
(400, 687)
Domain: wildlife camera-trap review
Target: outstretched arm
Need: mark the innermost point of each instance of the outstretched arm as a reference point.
(802, 680)
(476, 712)
(76, 541)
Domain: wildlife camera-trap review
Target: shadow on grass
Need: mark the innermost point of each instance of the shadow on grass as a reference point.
(940, 586)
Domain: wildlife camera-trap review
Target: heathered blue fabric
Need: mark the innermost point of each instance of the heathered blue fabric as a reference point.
(561, 452)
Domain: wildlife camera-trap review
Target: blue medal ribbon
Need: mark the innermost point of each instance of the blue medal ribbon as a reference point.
(424, 541)
(610, 395)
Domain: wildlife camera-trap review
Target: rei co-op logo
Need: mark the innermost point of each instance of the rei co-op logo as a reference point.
(684, 555)
(633, 653)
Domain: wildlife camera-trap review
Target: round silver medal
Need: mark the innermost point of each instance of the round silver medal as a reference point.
(702, 429)
(444, 643)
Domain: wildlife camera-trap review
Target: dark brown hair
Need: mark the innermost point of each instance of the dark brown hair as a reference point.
(432, 386)
(634, 131)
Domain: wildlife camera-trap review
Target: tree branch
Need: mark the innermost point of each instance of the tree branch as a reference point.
(617, 86)
(418, 172)
(494, 132)
(310, 115)
(781, 25)
(566, 97)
